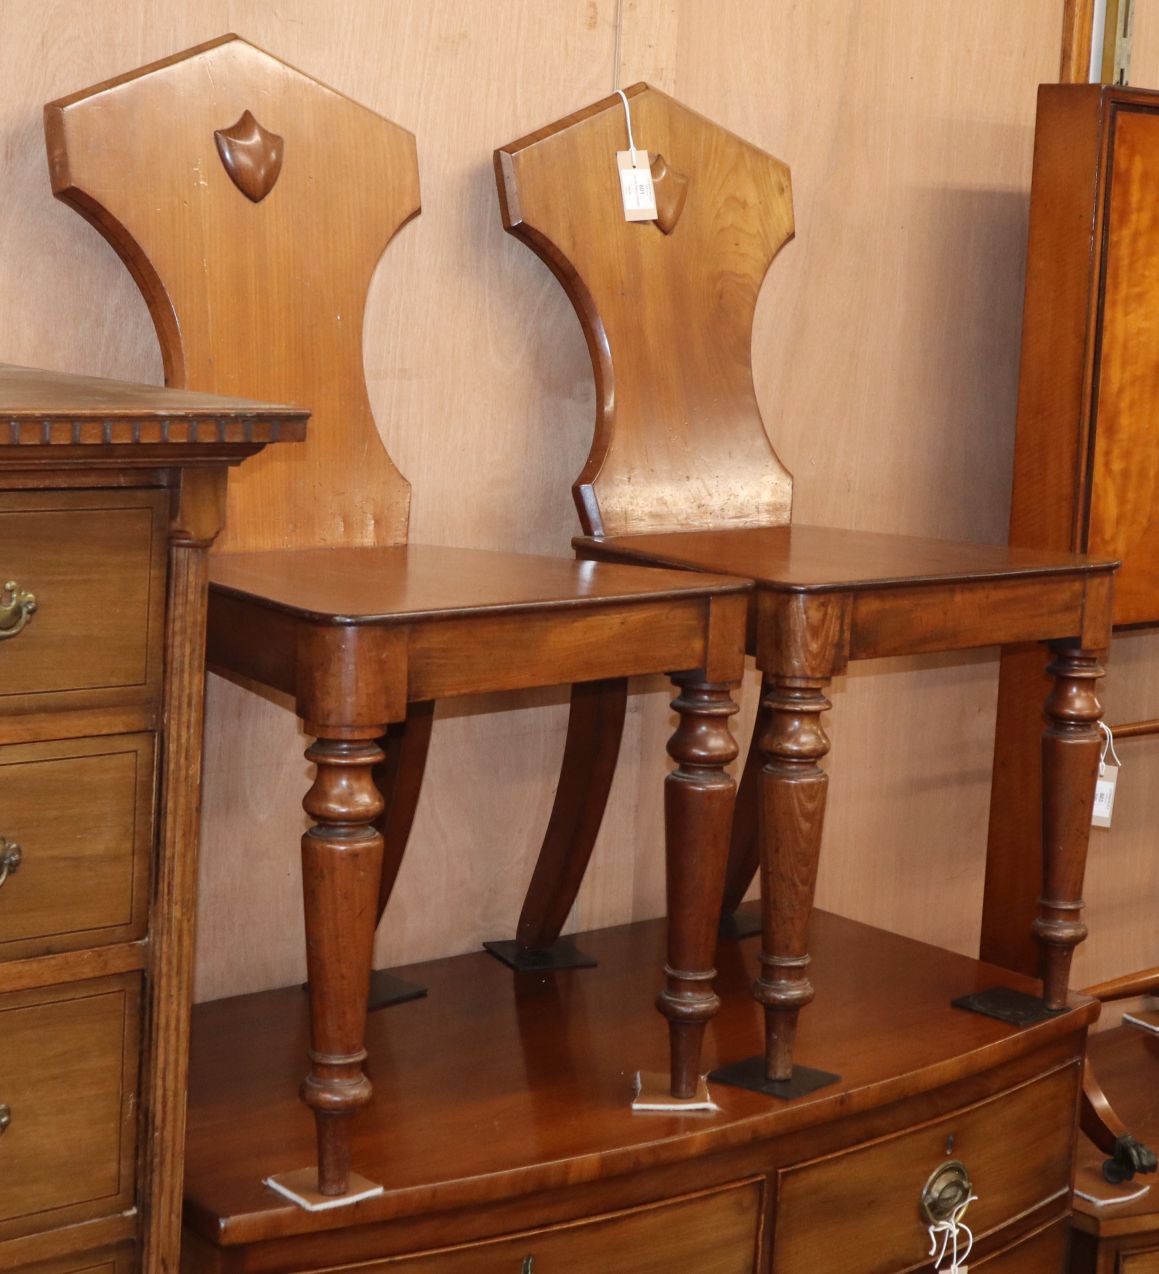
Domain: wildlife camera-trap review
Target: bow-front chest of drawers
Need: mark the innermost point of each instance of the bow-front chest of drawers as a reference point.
(110, 496)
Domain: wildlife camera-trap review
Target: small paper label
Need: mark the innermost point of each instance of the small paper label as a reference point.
(1105, 795)
(636, 188)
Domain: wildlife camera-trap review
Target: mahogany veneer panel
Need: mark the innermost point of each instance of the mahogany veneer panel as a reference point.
(422, 581)
(872, 1227)
(1044, 1251)
(548, 1059)
(712, 1233)
(1086, 471)
(822, 559)
(82, 812)
(95, 560)
(68, 1073)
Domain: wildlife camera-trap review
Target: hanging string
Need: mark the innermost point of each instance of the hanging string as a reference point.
(616, 52)
(949, 1230)
(628, 117)
(1108, 744)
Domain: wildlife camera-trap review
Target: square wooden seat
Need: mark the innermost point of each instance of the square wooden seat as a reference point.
(223, 178)
(682, 473)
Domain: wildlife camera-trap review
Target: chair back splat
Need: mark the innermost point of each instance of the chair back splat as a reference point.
(219, 178)
(667, 308)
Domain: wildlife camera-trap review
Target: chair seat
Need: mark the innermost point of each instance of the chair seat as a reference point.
(826, 559)
(414, 582)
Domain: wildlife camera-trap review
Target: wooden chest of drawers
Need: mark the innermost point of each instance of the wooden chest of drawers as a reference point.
(502, 1133)
(109, 498)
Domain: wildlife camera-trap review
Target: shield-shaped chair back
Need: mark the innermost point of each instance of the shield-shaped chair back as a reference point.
(252, 204)
(666, 305)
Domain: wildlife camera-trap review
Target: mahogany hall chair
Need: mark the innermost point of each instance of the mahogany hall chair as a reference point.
(682, 474)
(251, 204)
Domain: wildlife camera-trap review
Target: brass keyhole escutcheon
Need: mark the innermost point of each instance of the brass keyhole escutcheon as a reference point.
(17, 606)
(5, 1118)
(10, 857)
(947, 1189)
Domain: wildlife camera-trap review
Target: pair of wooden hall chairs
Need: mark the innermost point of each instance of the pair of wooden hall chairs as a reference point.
(252, 204)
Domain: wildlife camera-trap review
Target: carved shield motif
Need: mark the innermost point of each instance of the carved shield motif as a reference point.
(252, 156)
(671, 190)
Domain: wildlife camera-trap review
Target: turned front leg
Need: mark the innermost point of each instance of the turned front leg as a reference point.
(341, 869)
(698, 806)
(1071, 744)
(792, 814)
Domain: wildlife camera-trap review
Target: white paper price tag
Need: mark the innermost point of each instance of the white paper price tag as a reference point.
(636, 187)
(1105, 794)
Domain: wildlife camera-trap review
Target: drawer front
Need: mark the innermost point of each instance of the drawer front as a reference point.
(68, 1074)
(713, 1233)
(1044, 1252)
(80, 812)
(1139, 1262)
(90, 1264)
(864, 1204)
(95, 563)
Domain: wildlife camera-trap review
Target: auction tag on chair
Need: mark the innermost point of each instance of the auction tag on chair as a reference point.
(1105, 794)
(636, 187)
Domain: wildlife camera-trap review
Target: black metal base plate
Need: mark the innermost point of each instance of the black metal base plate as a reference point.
(386, 989)
(1007, 1005)
(739, 924)
(750, 1074)
(562, 954)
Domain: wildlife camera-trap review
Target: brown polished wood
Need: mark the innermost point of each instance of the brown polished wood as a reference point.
(1119, 1237)
(1084, 464)
(1085, 455)
(355, 634)
(111, 495)
(681, 474)
(541, 1059)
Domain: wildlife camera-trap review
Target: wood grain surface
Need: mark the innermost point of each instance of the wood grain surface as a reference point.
(549, 1058)
(886, 363)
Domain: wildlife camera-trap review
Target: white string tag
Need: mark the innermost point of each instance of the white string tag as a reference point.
(1108, 778)
(636, 189)
(953, 1234)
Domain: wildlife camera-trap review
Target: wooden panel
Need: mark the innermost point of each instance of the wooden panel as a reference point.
(1044, 1252)
(68, 1065)
(1122, 871)
(866, 1201)
(710, 1233)
(885, 346)
(1139, 1262)
(1125, 469)
(103, 1262)
(95, 562)
(82, 812)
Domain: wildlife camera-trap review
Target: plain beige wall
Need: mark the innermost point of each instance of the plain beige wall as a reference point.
(886, 363)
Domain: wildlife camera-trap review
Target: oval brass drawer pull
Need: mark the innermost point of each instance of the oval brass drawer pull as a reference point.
(528, 1266)
(946, 1190)
(5, 1118)
(10, 856)
(16, 608)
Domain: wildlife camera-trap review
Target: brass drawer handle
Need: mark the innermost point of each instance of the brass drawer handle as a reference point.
(528, 1266)
(16, 608)
(10, 856)
(947, 1189)
(5, 1118)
